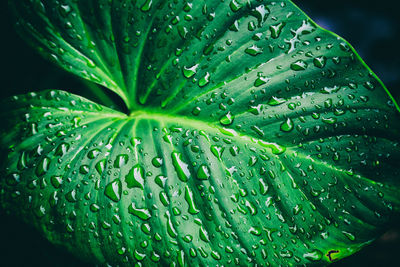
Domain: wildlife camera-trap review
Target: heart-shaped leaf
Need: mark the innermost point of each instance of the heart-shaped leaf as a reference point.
(255, 137)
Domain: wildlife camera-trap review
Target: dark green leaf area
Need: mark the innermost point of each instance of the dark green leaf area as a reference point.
(154, 188)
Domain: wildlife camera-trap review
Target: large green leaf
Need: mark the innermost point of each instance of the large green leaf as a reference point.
(255, 137)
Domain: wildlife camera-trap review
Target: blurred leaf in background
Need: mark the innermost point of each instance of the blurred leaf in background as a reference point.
(372, 27)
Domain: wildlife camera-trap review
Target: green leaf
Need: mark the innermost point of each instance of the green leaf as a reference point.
(255, 137)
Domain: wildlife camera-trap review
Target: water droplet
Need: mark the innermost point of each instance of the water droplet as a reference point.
(94, 153)
(299, 65)
(71, 196)
(255, 231)
(263, 187)
(215, 255)
(204, 80)
(217, 151)
(100, 166)
(253, 50)
(157, 162)
(84, 169)
(349, 236)
(22, 161)
(275, 101)
(227, 119)
(121, 161)
(181, 167)
(113, 190)
(276, 29)
(332, 120)
(189, 72)
(287, 126)
(164, 198)
(94, 207)
(297, 209)
(203, 173)
(314, 255)
(143, 214)
(196, 111)
(235, 6)
(161, 180)
(204, 235)
(170, 226)
(261, 80)
(190, 200)
(275, 148)
(146, 6)
(43, 166)
(261, 13)
(62, 149)
(320, 62)
(56, 181)
(135, 177)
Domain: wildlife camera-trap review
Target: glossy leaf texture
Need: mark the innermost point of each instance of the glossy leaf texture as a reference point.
(255, 137)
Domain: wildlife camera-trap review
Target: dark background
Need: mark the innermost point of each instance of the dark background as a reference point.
(372, 27)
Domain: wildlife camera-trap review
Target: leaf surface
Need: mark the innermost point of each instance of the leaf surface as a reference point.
(255, 137)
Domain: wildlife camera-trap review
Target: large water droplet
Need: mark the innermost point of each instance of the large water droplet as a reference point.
(276, 29)
(227, 119)
(299, 65)
(189, 72)
(147, 6)
(113, 190)
(217, 151)
(135, 177)
(314, 255)
(181, 168)
(43, 166)
(190, 200)
(253, 50)
(287, 125)
(203, 173)
(143, 214)
(121, 161)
